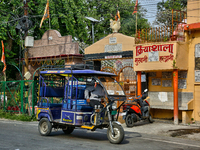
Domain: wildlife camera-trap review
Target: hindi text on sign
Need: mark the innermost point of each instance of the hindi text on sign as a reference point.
(154, 48)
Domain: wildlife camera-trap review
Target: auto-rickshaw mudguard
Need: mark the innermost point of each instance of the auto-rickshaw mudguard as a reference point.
(44, 115)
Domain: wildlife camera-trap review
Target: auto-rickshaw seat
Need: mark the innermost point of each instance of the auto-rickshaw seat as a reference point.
(51, 105)
(51, 91)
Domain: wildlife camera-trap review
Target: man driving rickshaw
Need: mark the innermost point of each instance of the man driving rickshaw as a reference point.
(77, 97)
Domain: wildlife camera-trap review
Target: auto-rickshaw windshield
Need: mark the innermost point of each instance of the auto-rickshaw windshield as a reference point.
(112, 86)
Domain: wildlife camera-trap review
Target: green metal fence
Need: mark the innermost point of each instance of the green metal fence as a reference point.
(19, 96)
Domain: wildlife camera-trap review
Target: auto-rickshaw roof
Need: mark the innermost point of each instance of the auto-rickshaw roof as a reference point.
(86, 72)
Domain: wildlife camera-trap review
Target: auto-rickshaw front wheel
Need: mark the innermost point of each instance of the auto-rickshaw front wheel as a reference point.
(118, 134)
(44, 127)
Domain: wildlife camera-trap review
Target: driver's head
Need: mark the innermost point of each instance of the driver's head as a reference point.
(95, 82)
(92, 82)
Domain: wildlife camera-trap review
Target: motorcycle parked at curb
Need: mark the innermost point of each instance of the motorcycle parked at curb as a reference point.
(138, 110)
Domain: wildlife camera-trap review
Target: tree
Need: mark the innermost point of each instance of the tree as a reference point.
(106, 10)
(164, 11)
(66, 16)
(11, 47)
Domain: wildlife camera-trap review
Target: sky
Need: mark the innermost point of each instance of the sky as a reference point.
(151, 7)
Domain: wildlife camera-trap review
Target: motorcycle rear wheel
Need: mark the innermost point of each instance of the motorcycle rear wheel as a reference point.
(150, 119)
(129, 121)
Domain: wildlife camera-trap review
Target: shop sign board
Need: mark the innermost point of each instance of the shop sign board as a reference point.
(154, 48)
(154, 57)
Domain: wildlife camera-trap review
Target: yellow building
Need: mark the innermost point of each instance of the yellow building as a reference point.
(192, 34)
(171, 65)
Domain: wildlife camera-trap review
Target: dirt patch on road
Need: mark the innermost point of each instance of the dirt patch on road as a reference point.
(181, 132)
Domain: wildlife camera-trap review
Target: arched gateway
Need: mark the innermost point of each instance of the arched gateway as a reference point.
(114, 53)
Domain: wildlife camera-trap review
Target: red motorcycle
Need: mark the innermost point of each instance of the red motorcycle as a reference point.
(138, 110)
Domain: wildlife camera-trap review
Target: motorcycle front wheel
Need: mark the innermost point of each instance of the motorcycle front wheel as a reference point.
(118, 134)
(129, 121)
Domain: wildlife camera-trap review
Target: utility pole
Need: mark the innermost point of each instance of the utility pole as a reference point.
(93, 21)
(26, 50)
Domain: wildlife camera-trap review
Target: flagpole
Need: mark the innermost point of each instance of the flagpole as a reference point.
(49, 20)
(136, 25)
(49, 23)
(135, 11)
(4, 76)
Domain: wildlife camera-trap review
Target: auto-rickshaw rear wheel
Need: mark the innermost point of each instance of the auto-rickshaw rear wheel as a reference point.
(68, 130)
(44, 127)
(118, 134)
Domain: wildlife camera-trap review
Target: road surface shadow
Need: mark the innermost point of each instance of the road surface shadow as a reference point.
(181, 132)
(140, 123)
(98, 135)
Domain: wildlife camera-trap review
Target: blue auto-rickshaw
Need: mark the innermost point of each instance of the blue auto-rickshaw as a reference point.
(62, 104)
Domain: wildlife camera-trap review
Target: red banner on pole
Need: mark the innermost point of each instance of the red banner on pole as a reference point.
(3, 57)
(135, 8)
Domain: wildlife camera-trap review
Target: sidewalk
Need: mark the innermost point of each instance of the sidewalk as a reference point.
(166, 128)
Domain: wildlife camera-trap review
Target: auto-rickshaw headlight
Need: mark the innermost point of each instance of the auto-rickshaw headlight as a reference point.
(114, 106)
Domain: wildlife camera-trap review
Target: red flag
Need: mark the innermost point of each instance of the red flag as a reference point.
(46, 13)
(3, 57)
(135, 9)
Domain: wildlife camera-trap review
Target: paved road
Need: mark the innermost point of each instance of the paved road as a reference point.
(16, 135)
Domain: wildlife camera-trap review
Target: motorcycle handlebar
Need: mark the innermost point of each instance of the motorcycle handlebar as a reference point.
(143, 96)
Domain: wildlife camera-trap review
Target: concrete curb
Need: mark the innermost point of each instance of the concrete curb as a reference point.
(166, 128)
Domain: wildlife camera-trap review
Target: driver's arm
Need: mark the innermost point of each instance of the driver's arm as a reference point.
(87, 97)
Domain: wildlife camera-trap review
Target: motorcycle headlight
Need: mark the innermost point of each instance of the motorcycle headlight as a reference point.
(114, 106)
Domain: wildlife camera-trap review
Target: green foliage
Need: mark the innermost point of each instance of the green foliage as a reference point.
(174, 64)
(106, 10)
(68, 17)
(164, 13)
(19, 117)
(18, 97)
